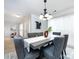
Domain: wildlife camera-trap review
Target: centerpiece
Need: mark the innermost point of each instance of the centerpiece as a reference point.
(47, 31)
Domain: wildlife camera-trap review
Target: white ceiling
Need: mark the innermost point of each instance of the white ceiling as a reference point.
(27, 7)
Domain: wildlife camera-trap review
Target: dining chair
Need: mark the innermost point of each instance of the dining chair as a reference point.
(33, 54)
(65, 43)
(22, 52)
(45, 45)
(19, 47)
(56, 33)
(54, 51)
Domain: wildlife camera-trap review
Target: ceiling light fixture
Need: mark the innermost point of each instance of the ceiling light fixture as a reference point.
(45, 15)
(16, 15)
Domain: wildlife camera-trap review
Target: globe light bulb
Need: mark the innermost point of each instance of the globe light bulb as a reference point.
(50, 16)
(46, 15)
(44, 18)
(41, 16)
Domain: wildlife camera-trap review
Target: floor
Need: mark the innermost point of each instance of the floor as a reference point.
(12, 55)
(8, 45)
(70, 53)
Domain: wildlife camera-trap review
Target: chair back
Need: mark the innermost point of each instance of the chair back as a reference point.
(19, 47)
(56, 33)
(66, 40)
(58, 45)
(30, 35)
(19, 43)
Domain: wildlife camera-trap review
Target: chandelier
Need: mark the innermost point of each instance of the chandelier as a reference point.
(45, 15)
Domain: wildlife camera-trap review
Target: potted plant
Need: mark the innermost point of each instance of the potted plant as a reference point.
(49, 29)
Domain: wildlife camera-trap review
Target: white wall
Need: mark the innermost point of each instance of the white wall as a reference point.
(44, 24)
(7, 29)
(29, 25)
(64, 25)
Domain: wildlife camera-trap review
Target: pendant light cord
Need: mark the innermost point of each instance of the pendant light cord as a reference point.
(45, 9)
(45, 3)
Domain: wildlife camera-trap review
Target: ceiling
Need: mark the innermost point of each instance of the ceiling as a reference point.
(28, 7)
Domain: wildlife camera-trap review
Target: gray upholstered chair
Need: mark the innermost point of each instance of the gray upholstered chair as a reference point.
(21, 52)
(33, 54)
(65, 43)
(54, 51)
(56, 33)
(35, 34)
(19, 47)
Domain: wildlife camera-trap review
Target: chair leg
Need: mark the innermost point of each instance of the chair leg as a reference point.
(40, 55)
(65, 52)
(62, 55)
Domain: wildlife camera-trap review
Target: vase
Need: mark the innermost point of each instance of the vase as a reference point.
(46, 34)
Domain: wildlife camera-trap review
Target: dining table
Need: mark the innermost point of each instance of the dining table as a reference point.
(37, 42)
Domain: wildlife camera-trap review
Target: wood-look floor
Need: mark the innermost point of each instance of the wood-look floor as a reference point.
(8, 45)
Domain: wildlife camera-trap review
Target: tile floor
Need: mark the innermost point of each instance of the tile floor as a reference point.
(70, 53)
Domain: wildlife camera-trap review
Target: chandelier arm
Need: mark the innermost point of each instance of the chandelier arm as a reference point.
(45, 5)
